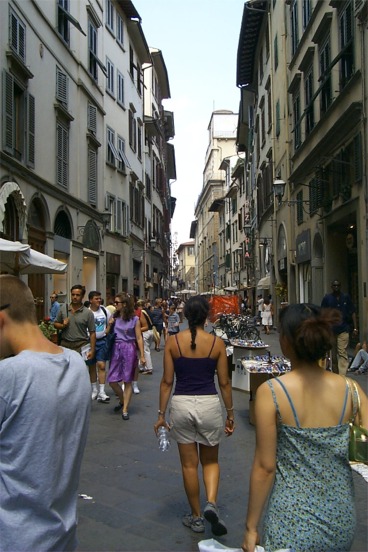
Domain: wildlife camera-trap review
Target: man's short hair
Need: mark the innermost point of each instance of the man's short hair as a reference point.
(79, 286)
(15, 293)
(93, 294)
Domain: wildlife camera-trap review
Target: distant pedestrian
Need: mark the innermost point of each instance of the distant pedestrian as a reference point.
(259, 307)
(192, 358)
(341, 301)
(157, 317)
(267, 314)
(44, 413)
(173, 321)
(124, 355)
(55, 306)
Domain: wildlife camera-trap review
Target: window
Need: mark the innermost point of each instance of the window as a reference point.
(123, 163)
(122, 222)
(64, 18)
(294, 27)
(307, 12)
(110, 76)
(109, 15)
(296, 117)
(148, 186)
(112, 152)
(299, 207)
(119, 30)
(92, 46)
(18, 110)
(120, 88)
(132, 130)
(92, 176)
(346, 45)
(139, 140)
(92, 119)
(131, 62)
(62, 85)
(309, 106)
(276, 52)
(278, 118)
(62, 155)
(17, 35)
(325, 74)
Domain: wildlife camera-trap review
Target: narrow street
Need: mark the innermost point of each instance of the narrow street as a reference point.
(133, 498)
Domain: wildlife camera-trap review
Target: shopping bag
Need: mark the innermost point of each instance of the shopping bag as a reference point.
(212, 545)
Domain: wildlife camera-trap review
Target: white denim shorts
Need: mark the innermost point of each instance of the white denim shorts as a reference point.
(196, 419)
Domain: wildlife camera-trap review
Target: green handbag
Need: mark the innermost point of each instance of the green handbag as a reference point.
(358, 440)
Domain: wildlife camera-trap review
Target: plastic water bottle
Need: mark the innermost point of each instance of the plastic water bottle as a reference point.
(163, 439)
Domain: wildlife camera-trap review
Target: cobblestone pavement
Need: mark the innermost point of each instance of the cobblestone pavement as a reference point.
(132, 494)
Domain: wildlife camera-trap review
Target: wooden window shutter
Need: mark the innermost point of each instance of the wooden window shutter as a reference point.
(8, 113)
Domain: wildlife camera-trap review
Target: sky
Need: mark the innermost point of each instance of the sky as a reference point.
(199, 41)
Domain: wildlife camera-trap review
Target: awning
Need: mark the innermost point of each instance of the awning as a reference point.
(264, 283)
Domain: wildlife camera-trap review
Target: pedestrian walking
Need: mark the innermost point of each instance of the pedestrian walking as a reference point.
(302, 444)
(97, 365)
(341, 301)
(193, 357)
(147, 333)
(173, 321)
(77, 324)
(54, 307)
(44, 415)
(267, 314)
(157, 317)
(124, 355)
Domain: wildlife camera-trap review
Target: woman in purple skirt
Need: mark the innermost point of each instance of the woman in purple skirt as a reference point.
(124, 355)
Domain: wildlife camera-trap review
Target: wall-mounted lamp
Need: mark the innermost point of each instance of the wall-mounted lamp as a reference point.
(152, 244)
(279, 189)
(247, 228)
(263, 242)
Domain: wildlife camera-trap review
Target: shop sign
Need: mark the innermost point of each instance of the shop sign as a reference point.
(303, 247)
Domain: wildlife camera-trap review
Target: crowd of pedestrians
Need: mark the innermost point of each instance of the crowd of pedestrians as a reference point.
(300, 471)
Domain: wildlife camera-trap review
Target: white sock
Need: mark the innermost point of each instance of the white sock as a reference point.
(94, 386)
(102, 387)
(135, 383)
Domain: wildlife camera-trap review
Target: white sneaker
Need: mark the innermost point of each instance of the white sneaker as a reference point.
(94, 394)
(102, 397)
(135, 388)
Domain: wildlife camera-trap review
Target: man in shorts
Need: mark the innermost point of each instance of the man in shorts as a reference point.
(97, 364)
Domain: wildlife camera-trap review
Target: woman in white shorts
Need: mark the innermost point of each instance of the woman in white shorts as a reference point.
(193, 356)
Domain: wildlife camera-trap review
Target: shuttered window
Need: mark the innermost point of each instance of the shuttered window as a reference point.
(17, 35)
(92, 176)
(62, 155)
(62, 87)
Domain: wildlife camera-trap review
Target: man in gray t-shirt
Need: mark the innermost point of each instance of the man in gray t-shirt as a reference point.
(77, 324)
(44, 415)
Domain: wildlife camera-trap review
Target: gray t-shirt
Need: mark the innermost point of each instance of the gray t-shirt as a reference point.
(44, 415)
(81, 323)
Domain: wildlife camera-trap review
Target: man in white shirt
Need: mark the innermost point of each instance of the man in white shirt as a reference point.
(98, 363)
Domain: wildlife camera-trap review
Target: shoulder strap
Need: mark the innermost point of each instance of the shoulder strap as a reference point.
(177, 343)
(270, 385)
(354, 398)
(213, 344)
(290, 401)
(148, 318)
(105, 312)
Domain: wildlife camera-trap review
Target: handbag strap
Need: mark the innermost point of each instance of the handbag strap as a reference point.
(355, 398)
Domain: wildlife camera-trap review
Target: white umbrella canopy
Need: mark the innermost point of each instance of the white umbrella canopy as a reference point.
(18, 258)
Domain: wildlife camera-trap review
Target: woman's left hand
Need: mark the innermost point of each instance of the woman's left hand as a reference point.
(229, 426)
(161, 422)
(142, 360)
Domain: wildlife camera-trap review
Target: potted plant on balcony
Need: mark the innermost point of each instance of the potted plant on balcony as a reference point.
(48, 329)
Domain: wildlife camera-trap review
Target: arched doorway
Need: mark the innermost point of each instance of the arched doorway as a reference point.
(37, 240)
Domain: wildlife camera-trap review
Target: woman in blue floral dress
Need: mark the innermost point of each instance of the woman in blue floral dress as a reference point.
(301, 458)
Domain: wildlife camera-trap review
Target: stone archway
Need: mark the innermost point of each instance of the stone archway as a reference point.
(13, 211)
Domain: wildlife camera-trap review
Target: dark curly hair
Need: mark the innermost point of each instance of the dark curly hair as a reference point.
(127, 311)
(196, 310)
(309, 329)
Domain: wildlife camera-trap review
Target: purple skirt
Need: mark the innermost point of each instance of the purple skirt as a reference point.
(123, 362)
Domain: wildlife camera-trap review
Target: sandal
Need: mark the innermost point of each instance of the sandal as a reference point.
(157, 349)
(125, 416)
(118, 407)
